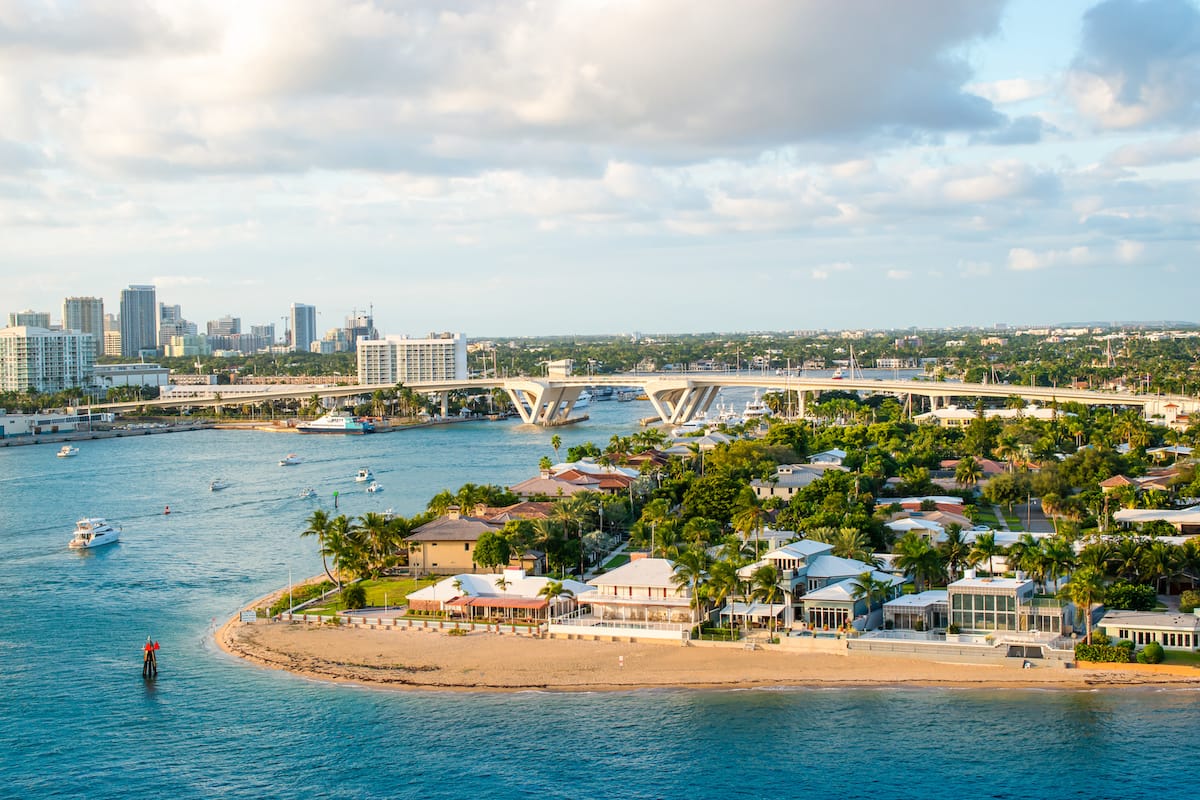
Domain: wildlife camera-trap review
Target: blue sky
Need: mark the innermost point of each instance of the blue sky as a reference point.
(606, 166)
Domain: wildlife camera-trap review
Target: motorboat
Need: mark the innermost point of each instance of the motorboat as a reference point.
(626, 395)
(364, 475)
(67, 451)
(337, 423)
(93, 532)
(308, 493)
(374, 487)
(837, 374)
(217, 484)
(291, 459)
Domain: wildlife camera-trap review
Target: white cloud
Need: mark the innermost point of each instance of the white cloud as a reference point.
(899, 274)
(1013, 90)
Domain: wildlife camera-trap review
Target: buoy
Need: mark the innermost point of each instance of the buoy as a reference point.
(150, 659)
(167, 510)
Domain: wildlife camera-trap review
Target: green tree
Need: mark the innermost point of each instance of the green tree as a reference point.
(866, 587)
(764, 586)
(985, 548)
(691, 569)
(492, 550)
(318, 526)
(1085, 589)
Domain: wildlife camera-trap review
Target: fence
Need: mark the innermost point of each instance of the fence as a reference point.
(412, 623)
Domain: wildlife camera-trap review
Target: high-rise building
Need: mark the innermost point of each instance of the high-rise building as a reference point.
(225, 326)
(85, 314)
(304, 326)
(33, 319)
(360, 326)
(139, 321)
(265, 334)
(398, 359)
(112, 343)
(45, 360)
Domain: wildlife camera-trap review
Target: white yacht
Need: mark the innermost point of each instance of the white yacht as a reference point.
(756, 408)
(93, 532)
(217, 484)
(337, 423)
(374, 487)
(66, 451)
(289, 460)
(364, 475)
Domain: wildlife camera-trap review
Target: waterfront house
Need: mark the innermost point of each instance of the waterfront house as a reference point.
(1173, 631)
(926, 611)
(446, 545)
(547, 485)
(643, 590)
(986, 605)
(511, 595)
(834, 606)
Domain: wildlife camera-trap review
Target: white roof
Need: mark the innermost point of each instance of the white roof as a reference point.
(653, 572)
(804, 548)
(937, 498)
(1187, 516)
(924, 599)
(1014, 584)
(520, 586)
(752, 610)
(914, 524)
(827, 566)
(842, 590)
(835, 452)
(1150, 619)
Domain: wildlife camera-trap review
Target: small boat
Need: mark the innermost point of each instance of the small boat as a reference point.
(308, 493)
(374, 487)
(289, 460)
(337, 423)
(626, 395)
(93, 532)
(364, 475)
(837, 375)
(66, 451)
(217, 484)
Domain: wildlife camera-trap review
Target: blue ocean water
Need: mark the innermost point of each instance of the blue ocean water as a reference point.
(76, 719)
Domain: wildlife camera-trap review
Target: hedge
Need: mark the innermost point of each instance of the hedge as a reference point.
(1102, 653)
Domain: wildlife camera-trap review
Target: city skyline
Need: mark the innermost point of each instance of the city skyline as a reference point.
(595, 168)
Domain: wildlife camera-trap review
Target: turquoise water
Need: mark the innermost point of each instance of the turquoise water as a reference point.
(76, 719)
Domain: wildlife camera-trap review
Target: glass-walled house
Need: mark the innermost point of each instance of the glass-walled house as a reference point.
(984, 605)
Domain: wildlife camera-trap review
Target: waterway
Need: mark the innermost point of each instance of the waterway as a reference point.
(76, 719)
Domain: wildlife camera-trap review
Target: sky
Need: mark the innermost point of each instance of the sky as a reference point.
(606, 166)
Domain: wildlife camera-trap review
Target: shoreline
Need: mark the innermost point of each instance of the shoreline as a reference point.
(491, 662)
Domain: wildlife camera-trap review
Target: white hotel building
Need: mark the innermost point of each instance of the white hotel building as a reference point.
(48, 361)
(399, 359)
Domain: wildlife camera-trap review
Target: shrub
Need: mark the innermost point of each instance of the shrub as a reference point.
(1131, 596)
(354, 596)
(1102, 653)
(952, 629)
(1152, 653)
(300, 594)
(918, 624)
(1126, 644)
(1100, 637)
(1189, 600)
(456, 632)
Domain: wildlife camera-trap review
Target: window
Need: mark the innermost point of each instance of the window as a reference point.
(466, 545)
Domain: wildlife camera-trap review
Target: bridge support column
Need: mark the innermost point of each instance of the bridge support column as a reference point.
(445, 404)
(680, 402)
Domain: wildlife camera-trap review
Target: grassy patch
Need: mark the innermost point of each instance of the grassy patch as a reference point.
(1181, 657)
(1014, 522)
(616, 561)
(985, 516)
(395, 590)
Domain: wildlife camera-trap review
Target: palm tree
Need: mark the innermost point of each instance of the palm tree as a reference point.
(1128, 558)
(1009, 449)
(1059, 558)
(318, 526)
(556, 442)
(502, 583)
(1160, 562)
(764, 586)
(749, 518)
(918, 558)
(1085, 589)
(868, 588)
(986, 548)
(852, 543)
(691, 569)
(1097, 556)
(968, 472)
(954, 550)
(552, 591)
(724, 583)
(376, 533)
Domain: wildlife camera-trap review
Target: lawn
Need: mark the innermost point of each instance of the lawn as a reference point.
(1181, 657)
(616, 561)
(985, 516)
(1014, 522)
(394, 590)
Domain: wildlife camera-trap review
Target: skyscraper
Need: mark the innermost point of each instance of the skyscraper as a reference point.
(139, 320)
(33, 319)
(304, 326)
(85, 314)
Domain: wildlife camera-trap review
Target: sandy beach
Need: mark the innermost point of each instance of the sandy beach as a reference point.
(417, 659)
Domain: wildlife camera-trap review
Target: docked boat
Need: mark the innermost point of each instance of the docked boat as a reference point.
(308, 493)
(364, 475)
(602, 393)
(217, 484)
(67, 451)
(93, 532)
(374, 487)
(626, 395)
(337, 423)
(756, 408)
(289, 460)
(584, 399)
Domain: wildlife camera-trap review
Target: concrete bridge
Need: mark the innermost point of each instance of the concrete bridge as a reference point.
(680, 397)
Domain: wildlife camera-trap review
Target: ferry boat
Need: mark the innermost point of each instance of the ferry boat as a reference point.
(93, 532)
(66, 451)
(337, 423)
(217, 484)
(364, 475)
(289, 460)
